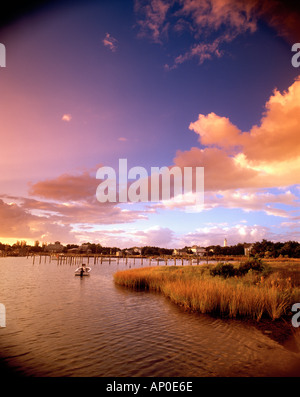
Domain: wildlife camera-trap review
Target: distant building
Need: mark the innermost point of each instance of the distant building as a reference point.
(134, 251)
(54, 248)
(179, 252)
(247, 249)
(73, 250)
(225, 242)
(84, 248)
(198, 250)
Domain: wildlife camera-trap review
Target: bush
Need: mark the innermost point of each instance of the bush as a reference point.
(224, 270)
(254, 264)
(228, 270)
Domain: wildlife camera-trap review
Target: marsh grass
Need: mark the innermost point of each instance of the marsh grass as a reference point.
(250, 296)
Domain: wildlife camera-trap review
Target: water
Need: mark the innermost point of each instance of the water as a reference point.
(61, 325)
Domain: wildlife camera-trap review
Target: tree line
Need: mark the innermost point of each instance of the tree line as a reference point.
(261, 249)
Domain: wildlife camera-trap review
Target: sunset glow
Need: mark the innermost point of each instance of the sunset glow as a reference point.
(160, 83)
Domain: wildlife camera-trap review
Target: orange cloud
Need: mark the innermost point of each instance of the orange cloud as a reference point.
(214, 130)
(266, 156)
(66, 117)
(277, 138)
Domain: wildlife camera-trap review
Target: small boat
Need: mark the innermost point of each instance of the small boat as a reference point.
(82, 271)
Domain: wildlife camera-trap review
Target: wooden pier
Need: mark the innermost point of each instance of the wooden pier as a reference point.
(89, 259)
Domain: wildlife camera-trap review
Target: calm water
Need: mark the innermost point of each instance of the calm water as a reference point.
(61, 325)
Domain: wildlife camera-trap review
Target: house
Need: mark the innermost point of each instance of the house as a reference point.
(54, 248)
(134, 251)
(179, 252)
(84, 248)
(73, 251)
(247, 249)
(196, 250)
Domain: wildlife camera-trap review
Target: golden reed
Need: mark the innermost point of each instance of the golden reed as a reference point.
(194, 288)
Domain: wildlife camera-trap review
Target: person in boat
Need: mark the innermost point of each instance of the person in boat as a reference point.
(83, 269)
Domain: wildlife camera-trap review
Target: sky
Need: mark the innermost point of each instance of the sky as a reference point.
(161, 83)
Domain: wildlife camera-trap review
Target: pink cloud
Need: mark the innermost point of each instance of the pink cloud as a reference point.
(19, 222)
(153, 17)
(156, 236)
(110, 42)
(66, 187)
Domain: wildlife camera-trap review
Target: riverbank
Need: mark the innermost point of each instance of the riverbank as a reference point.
(260, 295)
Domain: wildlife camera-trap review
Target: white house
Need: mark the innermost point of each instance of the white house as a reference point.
(198, 250)
(54, 248)
(134, 251)
(247, 249)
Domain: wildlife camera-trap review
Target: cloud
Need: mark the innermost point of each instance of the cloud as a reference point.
(202, 51)
(282, 16)
(122, 139)
(248, 200)
(260, 200)
(266, 156)
(217, 131)
(212, 23)
(53, 220)
(276, 137)
(239, 233)
(152, 20)
(110, 42)
(129, 237)
(62, 208)
(66, 117)
(202, 19)
(66, 187)
(214, 235)
(73, 198)
(19, 222)
(156, 236)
